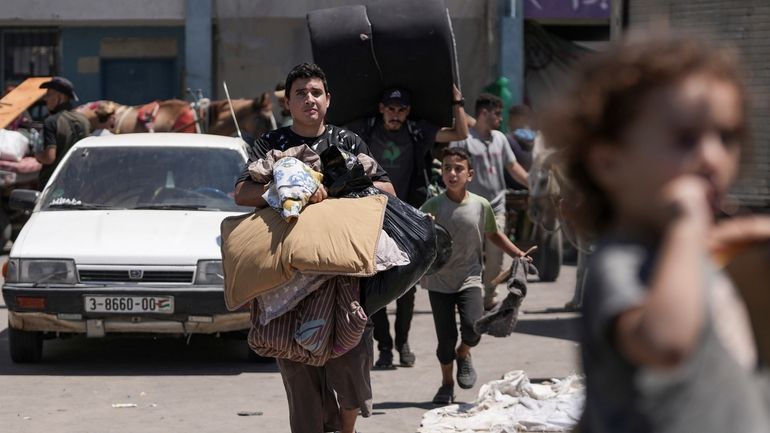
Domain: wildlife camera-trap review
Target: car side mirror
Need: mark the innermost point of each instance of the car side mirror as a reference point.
(23, 199)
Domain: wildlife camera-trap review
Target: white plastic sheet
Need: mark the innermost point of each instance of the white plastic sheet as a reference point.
(513, 404)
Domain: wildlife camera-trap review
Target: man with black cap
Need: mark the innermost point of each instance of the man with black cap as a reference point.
(62, 128)
(402, 147)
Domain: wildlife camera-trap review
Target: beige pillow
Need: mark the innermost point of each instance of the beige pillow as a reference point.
(261, 251)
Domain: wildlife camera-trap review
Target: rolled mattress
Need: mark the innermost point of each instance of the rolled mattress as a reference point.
(398, 43)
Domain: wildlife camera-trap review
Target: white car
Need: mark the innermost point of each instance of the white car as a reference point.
(125, 239)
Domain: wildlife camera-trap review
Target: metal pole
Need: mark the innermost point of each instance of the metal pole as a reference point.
(232, 112)
(198, 45)
(511, 64)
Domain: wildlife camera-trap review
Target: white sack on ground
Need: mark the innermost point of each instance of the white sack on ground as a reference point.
(513, 404)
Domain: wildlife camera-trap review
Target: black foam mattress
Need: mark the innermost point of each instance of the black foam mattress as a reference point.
(396, 43)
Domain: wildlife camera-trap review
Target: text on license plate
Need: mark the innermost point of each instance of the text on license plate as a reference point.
(129, 304)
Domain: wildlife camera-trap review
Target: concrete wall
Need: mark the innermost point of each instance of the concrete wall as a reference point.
(300, 8)
(90, 12)
(746, 26)
(256, 42)
(83, 47)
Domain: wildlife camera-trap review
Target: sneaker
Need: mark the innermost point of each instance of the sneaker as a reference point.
(445, 395)
(405, 356)
(385, 361)
(466, 374)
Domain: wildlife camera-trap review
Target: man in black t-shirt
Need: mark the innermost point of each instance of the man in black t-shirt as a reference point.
(308, 102)
(313, 407)
(286, 137)
(402, 147)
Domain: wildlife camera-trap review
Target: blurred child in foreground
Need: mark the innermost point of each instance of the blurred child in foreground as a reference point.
(651, 134)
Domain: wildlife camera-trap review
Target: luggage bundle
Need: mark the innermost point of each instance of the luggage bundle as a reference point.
(291, 270)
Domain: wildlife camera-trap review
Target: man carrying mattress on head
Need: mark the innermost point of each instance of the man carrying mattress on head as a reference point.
(404, 146)
(310, 389)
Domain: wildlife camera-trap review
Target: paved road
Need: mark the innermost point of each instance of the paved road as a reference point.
(202, 386)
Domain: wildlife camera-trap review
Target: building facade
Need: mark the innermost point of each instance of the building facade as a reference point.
(745, 25)
(110, 50)
(135, 52)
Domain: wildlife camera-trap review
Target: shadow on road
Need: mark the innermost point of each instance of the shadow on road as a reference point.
(562, 328)
(137, 356)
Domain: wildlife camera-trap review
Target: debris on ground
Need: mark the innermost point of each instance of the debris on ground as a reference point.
(250, 413)
(513, 404)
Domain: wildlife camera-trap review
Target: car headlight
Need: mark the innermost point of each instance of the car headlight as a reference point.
(41, 271)
(210, 273)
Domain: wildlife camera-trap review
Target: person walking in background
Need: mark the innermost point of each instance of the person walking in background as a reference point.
(62, 128)
(402, 147)
(652, 134)
(521, 137)
(492, 157)
(469, 219)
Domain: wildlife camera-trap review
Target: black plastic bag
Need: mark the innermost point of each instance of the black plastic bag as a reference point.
(344, 174)
(413, 231)
(415, 234)
(443, 249)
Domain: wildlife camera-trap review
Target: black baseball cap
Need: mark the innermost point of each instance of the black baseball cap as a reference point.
(62, 85)
(395, 95)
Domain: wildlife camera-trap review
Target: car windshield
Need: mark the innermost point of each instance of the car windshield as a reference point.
(134, 177)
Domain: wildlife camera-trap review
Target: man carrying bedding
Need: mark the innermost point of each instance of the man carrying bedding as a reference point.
(311, 390)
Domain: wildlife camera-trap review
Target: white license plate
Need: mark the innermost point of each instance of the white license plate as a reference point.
(129, 304)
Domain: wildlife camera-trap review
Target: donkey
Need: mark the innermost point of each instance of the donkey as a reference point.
(176, 115)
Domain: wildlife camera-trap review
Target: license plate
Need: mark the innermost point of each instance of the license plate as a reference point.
(129, 304)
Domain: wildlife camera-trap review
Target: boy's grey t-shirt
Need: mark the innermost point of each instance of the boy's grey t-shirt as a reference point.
(708, 392)
(490, 157)
(467, 223)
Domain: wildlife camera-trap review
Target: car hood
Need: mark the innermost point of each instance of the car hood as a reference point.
(153, 237)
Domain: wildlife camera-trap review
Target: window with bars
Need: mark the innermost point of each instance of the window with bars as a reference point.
(28, 53)
(25, 53)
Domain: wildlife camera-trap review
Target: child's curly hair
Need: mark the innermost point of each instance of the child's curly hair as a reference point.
(605, 96)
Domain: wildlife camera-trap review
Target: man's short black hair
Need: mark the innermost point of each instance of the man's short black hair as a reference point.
(305, 70)
(488, 101)
(459, 152)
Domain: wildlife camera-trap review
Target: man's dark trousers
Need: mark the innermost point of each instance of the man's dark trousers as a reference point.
(404, 312)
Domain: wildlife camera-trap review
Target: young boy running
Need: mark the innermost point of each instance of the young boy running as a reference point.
(469, 219)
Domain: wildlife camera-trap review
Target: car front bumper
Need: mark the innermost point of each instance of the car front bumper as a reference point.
(46, 322)
(197, 310)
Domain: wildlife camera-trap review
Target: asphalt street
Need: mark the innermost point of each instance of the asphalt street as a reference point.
(122, 385)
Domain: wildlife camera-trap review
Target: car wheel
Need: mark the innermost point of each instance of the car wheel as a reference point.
(25, 346)
(549, 255)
